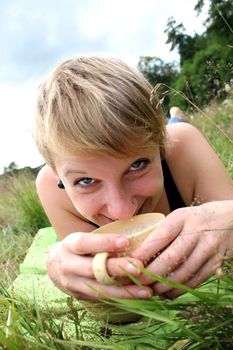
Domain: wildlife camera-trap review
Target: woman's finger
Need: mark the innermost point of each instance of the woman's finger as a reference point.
(116, 267)
(171, 258)
(161, 237)
(209, 246)
(79, 287)
(83, 243)
(190, 266)
(206, 271)
(121, 267)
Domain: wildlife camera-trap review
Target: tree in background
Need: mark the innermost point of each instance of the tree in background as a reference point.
(206, 60)
(219, 23)
(156, 70)
(10, 168)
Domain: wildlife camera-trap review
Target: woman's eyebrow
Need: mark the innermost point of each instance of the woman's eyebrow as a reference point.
(70, 171)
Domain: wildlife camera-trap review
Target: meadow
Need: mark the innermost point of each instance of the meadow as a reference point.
(205, 324)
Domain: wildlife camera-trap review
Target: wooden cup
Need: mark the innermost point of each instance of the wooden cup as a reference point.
(137, 229)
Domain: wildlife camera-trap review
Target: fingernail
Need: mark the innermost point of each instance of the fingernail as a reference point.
(122, 243)
(143, 294)
(133, 269)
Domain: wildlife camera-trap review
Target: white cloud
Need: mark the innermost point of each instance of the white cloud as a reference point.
(36, 35)
(17, 113)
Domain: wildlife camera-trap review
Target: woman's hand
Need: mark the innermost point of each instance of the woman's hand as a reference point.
(69, 266)
(197, 240)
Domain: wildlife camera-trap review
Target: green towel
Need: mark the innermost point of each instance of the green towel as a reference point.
(34, 261)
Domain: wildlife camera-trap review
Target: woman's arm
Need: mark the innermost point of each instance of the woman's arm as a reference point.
(196, 168)
(198, 238)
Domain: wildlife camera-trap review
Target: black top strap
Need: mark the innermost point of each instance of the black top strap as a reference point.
(174, 198)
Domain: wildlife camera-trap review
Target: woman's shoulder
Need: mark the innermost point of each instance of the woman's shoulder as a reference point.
(182, 140)
(45, 175)
(48, 191)
(186, 153)
(182, 132)
(179, 158)
(195, 164)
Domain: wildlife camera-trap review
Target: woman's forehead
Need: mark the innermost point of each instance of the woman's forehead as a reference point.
(82, 162)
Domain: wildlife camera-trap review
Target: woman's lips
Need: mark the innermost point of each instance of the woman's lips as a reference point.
(140, 210)
(106, 220)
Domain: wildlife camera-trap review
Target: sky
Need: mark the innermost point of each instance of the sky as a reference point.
(35, 36)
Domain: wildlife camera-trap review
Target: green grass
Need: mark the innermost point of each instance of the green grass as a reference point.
(216, 123)
(20, 205)
(21, 215)
(206, 323)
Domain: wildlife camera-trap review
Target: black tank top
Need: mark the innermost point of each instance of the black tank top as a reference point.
(174, 198)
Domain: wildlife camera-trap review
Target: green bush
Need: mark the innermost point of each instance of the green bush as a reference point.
(203, 79)
(21, 205)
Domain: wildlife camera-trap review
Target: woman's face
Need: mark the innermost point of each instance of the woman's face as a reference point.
(104, 189)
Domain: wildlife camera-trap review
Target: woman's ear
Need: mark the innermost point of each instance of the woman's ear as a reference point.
(60, 185)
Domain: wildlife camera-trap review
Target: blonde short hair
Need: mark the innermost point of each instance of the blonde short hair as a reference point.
(97, 105)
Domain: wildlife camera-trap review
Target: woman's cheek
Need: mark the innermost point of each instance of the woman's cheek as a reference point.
(151, 185)
(87, 207)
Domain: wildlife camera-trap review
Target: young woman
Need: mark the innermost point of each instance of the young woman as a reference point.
(109, 157)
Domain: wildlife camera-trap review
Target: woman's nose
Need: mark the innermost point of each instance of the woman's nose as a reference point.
(121, 205)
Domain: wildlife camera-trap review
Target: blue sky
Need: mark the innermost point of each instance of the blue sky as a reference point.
(37, 35)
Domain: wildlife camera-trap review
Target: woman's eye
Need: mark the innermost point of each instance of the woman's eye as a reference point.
(85, 182)
(139, 164)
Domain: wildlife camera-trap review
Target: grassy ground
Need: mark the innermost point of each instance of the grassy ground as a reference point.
(205, 325)
(216, 123)
(21, 215)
